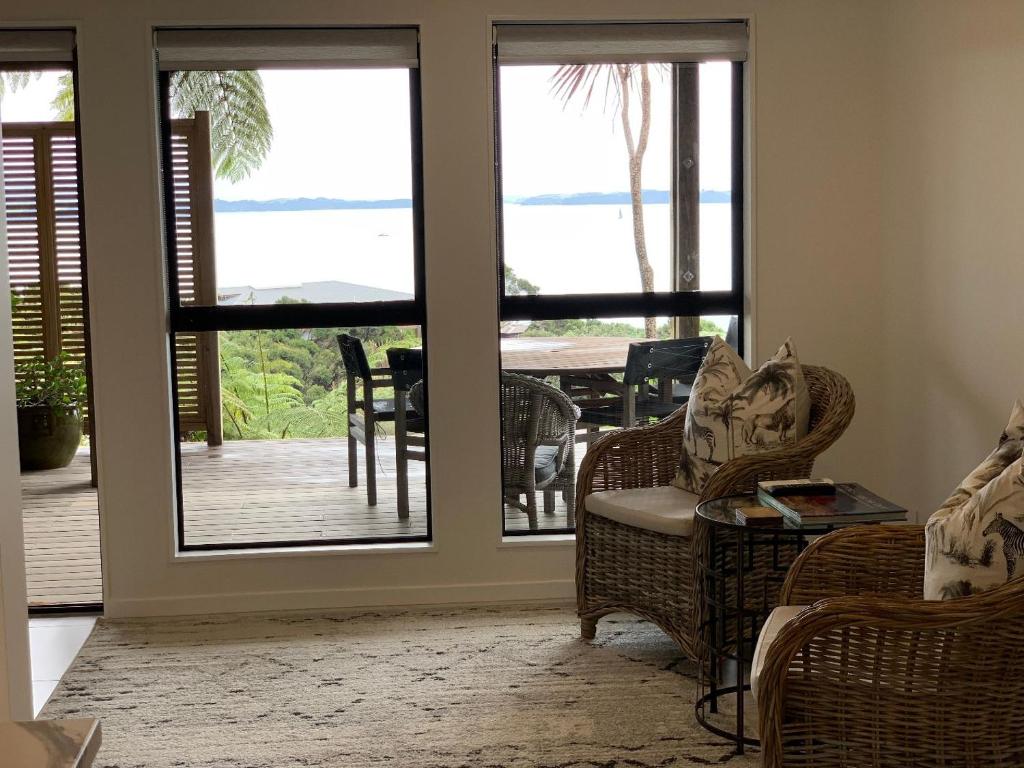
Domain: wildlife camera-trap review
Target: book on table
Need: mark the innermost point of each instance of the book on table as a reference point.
(758, 515)
(850, 503)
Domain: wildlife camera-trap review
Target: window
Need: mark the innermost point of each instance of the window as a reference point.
(620, 211)
(292, 192)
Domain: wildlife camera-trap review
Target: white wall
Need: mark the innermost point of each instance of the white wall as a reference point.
(953, 265)
(816, 245)
(15, 672)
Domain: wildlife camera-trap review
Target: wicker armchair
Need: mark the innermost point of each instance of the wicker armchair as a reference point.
(649, 573)
(873, 675)
(538, 431)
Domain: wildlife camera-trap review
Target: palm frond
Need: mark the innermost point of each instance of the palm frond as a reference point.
(63, 104)
(16, 80)
(240, 126)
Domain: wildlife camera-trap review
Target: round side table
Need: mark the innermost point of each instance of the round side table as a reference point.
(741, 570)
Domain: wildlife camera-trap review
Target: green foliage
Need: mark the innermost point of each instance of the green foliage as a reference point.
(63, 104)
(57, 382)
(16, 79)
(517, 286)
(240, 127)
(278, 384)
(708, 328)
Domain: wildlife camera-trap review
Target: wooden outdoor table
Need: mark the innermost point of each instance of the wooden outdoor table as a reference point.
(538, 356)
(565, 355)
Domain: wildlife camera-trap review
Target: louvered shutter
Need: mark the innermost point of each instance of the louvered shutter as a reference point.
(198, 360)
(21, 191)
(45, 256)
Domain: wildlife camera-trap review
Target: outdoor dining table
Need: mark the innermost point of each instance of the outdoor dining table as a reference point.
(539, 356)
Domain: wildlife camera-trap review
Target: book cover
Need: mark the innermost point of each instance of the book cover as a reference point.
(758, 516)
(852, 503)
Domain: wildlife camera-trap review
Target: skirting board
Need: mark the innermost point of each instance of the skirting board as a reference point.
(560, 591)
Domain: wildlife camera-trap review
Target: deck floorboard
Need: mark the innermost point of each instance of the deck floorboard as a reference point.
(242, 492)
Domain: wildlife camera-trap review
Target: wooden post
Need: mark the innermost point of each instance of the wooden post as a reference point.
(686, 189)
(48, 274)
(401, 453)
(205, 266)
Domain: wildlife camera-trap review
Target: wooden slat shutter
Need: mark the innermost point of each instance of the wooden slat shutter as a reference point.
(44, 243)
(22, 193)
(198, 359)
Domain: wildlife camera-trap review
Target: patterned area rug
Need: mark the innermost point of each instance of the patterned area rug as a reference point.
(487, 687)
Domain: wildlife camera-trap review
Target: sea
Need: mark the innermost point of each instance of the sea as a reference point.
(561, 249)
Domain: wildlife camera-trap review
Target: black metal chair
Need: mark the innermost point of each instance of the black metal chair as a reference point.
(364, 410)
(671, 363)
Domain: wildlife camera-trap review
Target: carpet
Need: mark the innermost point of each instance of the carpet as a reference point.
(467, 688)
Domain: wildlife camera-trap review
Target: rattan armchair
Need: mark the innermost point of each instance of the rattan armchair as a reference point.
(873, 676)
(538, 431)
(621, 567)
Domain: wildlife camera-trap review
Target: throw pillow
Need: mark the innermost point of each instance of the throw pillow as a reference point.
(735, 412)
(973, 542)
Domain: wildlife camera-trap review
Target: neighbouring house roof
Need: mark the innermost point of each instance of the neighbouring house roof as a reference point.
(321, 292)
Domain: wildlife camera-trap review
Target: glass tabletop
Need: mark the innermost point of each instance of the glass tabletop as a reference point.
(721, 512)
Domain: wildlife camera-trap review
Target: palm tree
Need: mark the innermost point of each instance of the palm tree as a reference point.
(773, 378)
(620, 79)
(725, 413)
(240, 127)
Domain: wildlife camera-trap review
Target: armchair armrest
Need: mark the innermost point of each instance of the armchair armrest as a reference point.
(864, 674)
(883, 560)
(637, 457)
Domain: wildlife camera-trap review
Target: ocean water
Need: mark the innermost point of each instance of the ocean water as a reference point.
(560, 248)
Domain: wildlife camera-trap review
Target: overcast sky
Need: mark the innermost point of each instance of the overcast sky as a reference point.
(345, 134)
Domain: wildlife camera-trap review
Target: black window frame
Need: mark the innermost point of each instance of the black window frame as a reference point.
(197, 319)
(672, 304)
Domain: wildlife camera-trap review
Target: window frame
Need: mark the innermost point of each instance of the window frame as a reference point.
(199, 319)
(671, 304)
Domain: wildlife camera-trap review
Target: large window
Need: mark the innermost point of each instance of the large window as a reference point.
(620, 210)
(292, 188)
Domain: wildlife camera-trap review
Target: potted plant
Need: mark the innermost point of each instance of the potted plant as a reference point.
(50, 395)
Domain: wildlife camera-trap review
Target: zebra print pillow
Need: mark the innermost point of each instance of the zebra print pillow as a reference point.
(974, 541)
(735, 412)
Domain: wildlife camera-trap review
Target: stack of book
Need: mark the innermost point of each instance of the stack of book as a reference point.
(826, 503)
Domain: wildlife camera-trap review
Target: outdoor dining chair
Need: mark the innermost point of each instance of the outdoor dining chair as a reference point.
(410, 417)
(671, 363)
(365, 410)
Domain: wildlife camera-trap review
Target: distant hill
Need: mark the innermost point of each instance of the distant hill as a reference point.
(652, 196)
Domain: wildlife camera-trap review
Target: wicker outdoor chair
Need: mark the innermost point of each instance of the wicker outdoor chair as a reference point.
(538, 431)
(874, 676)
(646, 566)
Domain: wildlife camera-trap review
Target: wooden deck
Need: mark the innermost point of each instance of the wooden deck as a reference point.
(240, 492)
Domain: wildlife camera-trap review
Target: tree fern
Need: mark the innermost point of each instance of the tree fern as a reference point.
(241, 131)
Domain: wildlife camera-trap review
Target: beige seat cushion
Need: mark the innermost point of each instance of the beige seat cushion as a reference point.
(777, 619)
(666, 509)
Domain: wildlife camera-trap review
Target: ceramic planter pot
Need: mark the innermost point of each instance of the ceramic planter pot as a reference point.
(48, 437)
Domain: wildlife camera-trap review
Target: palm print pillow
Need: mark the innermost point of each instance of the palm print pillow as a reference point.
(974, 541)
(735, 412)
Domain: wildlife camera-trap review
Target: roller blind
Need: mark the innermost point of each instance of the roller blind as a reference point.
(668, 42)
(225, 49)
(37, 46)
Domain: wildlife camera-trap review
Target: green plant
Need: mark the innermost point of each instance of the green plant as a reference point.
(57, 382)
(240, 126)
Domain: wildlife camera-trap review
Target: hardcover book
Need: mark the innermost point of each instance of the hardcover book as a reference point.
(758, 516)
(851, 503)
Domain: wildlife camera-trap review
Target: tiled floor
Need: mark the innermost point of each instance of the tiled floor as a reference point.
(54, 641)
